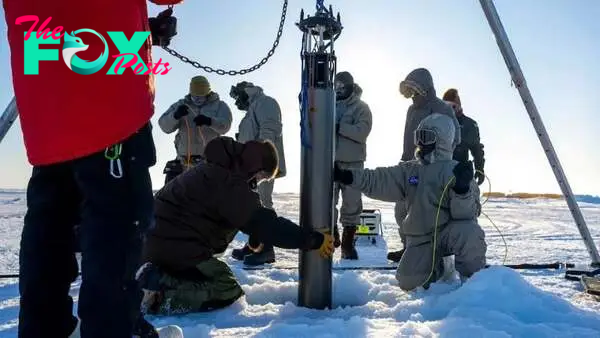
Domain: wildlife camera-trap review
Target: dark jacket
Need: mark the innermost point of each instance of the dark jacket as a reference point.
(199, 213)
(470, 141)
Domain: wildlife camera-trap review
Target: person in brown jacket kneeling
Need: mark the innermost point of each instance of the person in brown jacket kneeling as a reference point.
(199, 213)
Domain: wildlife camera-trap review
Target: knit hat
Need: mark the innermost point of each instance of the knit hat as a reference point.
(199, 86)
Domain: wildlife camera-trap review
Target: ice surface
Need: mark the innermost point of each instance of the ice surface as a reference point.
(497, 302)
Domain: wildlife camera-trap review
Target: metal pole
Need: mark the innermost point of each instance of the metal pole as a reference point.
(317, 152)
(519, 80)
(8, 118)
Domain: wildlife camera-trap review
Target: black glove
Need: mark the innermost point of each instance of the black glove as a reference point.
(337, 128)
(163, 28)
(342, 175)
(480, 176)
(181, 112)
(463, 172)
(202, 120)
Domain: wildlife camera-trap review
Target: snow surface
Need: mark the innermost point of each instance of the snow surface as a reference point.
(496, 302)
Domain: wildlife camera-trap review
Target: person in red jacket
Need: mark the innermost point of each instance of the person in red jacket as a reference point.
(89, 140)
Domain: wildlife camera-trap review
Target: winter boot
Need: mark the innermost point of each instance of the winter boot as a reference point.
(267, 255)
(336, 236)
(240, 254)
(395, 256)
(348, 249)
(449, 270)
(148, 277)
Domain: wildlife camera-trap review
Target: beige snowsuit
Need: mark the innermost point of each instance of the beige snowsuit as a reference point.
(191, 139)
(420, 185)
(355, 122)
(263, 122)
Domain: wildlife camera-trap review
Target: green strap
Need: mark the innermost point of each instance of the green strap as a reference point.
(116, 152)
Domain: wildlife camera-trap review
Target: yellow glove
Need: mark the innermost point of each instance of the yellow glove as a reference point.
(326, 249)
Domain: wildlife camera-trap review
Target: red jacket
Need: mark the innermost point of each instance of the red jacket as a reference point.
(65, 115)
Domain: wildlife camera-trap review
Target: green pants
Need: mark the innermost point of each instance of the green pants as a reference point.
(214, 287)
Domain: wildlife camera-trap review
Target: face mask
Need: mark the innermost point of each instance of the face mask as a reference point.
(198, 100)
(342, 91)
(241, 97)
(425, 153)
(425, 140)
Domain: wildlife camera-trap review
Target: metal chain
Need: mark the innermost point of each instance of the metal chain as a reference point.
(264, 60)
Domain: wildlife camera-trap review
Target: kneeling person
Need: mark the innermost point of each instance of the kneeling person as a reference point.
(199, 214)
(442, 203)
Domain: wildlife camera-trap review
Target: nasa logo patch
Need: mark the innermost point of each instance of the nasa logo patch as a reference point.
(413, 180)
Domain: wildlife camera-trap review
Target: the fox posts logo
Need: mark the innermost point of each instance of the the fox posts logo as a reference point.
(128, 50)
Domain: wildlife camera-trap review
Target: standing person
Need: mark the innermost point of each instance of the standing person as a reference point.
(442, 203)
(353, 125)
(470, 140)
(182, 274)
(261, 122)
(418, 86)
(89, 140)
(198, 118)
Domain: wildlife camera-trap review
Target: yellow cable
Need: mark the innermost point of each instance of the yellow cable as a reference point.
(501, 235)
(437, 216)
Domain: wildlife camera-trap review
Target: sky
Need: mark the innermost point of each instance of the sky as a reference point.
(557, 43)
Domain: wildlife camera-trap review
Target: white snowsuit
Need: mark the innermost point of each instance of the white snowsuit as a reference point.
(421, 186)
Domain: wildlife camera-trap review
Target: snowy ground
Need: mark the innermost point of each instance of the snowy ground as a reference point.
(497, 302)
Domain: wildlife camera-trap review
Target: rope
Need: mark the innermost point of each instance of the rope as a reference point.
(188, 159)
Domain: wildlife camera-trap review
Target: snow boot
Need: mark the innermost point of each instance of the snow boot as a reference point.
(267, 255)
(348, 249)
(449, 270)
(336, 236)
(240, 254)
(148, 277)
(395, 256)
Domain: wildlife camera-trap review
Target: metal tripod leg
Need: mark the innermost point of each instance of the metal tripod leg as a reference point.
(519, 80)
(8, 117)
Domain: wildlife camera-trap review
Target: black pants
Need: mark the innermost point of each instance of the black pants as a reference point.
(113, 213)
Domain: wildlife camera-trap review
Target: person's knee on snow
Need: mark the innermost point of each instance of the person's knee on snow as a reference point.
(436, 189)
(415, 267)
(208, 286)
(190, 229)
(466, 240)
